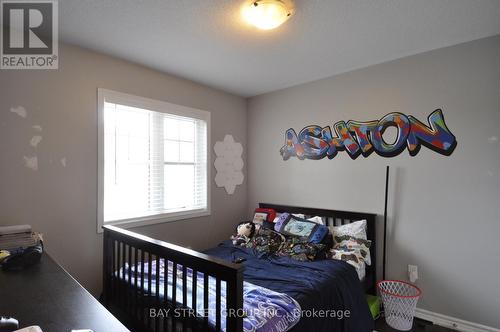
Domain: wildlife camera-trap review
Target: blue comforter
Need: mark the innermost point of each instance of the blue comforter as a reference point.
(328, 291)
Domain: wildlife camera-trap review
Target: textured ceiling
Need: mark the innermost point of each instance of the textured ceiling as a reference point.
(206, 41)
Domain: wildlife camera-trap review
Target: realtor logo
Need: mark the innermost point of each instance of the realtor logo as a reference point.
(29, 34)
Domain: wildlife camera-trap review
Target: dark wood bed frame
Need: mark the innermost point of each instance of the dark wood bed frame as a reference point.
(132, 304)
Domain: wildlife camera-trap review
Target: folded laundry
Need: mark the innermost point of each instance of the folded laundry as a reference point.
(15, 229)
(19, 236)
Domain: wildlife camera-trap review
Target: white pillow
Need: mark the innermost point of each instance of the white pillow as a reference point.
(355, 229)
(317, 220)
(356, 246)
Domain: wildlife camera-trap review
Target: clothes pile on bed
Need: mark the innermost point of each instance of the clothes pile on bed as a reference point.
(306, 260)
(302, 239)
(295, 276)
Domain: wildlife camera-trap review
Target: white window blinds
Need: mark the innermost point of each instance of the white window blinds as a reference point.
(155, 163)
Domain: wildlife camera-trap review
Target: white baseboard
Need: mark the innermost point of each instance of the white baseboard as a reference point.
(452, 322)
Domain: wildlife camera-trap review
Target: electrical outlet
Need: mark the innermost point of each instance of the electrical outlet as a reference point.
(412, 273)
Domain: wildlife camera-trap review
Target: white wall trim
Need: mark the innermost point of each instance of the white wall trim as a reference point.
(452, 322)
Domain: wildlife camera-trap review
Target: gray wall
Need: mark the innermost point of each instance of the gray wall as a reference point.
(443, 211)
(61, 201)
(438, 204)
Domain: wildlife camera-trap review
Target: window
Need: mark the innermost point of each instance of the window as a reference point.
(153, 161)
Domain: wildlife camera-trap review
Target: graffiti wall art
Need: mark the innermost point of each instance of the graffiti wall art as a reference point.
(362, 138)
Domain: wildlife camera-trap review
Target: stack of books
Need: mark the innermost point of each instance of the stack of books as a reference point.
(20, 236)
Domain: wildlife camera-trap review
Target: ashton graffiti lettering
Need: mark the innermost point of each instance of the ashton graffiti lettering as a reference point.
(362, 138)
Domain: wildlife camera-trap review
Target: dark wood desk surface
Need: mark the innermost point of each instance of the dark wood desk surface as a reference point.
(47, 296)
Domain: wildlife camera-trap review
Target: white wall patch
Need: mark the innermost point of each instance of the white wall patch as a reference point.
(31, 162)
(63, 162)
(37, 127)
(19, 110)
(229, 164)
(492, 139)
(35, 140)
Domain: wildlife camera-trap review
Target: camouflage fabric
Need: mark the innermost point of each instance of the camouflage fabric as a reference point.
(301, 250)
(266, 241)
(273, 243)
(351, 245)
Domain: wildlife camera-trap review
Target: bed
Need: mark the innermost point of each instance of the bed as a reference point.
(210, 293)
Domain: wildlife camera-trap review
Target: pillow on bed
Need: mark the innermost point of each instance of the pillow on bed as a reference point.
(352, 257)
(264, 217)
(354, 245)
(288, 224)
(278, 215)
(355, 229)
(317, 220)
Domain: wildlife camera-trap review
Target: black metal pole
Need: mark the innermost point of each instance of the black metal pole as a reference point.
(385, 219)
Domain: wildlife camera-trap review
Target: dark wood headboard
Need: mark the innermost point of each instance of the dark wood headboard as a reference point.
(336, 218)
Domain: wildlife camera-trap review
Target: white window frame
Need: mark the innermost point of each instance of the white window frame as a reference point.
(105, 95)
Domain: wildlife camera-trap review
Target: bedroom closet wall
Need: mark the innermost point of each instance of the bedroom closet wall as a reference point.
(443, 210)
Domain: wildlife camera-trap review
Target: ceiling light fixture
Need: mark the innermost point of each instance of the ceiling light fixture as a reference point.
(267, 14)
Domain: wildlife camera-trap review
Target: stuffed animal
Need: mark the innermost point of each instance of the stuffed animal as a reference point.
(244, 231)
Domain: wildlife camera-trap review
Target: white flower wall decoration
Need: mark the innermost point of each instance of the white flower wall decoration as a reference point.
(229, 164)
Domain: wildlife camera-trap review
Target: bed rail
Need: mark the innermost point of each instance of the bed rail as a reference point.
(132, 299)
